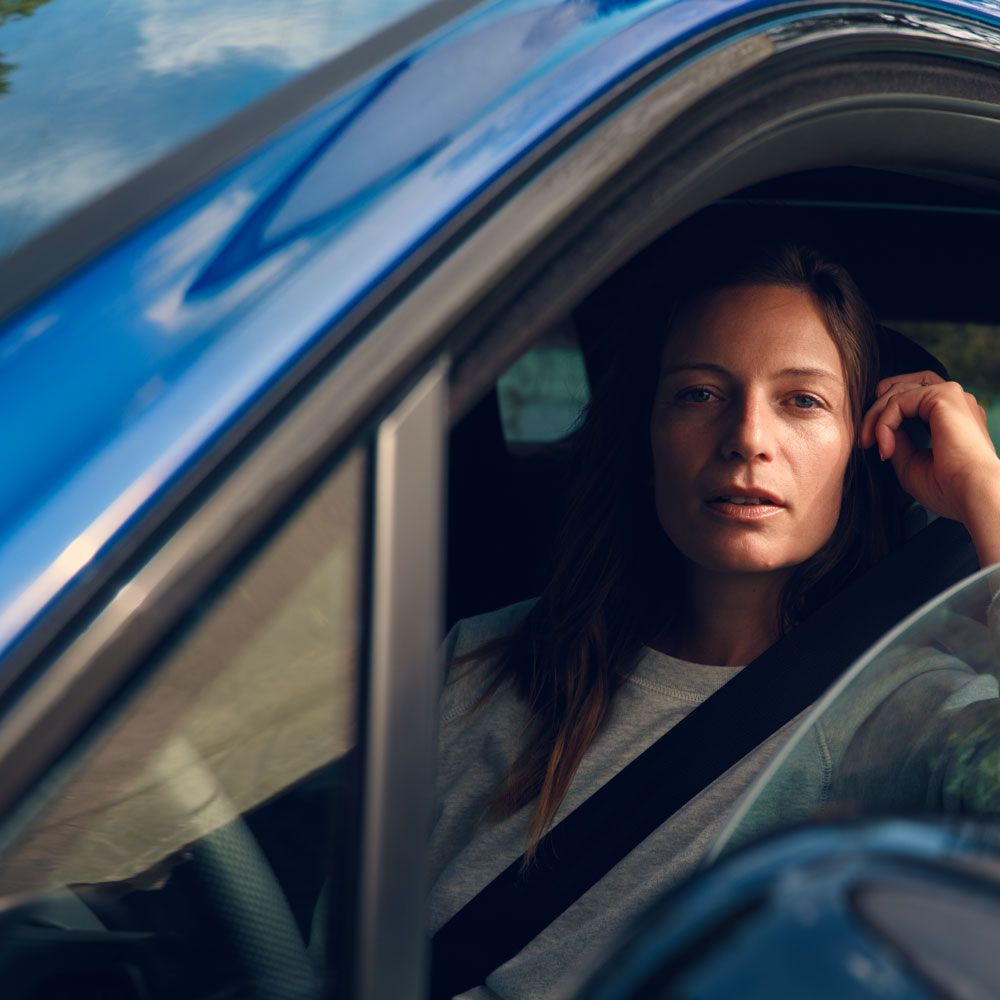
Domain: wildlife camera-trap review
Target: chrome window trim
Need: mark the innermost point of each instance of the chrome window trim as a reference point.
(862, 25)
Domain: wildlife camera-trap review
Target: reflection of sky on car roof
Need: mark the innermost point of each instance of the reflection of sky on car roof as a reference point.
(96, 93)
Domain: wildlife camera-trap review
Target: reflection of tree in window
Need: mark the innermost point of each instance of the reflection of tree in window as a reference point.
(12, 10)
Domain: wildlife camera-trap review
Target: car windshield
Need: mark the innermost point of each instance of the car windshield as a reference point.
(92, 93)
(913, 727)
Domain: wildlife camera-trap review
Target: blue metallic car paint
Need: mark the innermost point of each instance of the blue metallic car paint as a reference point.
(137, 79)
(151, 351)
(786, 917)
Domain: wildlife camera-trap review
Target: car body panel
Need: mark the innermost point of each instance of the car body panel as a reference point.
(794, 916)
(160, 344)
(137, 80)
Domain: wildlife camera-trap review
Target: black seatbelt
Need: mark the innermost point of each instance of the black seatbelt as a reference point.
(523, 900)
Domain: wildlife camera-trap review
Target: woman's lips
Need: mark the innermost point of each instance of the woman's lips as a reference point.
(743, 508)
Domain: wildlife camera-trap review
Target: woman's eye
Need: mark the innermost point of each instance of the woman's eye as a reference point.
(695, 396)
(803, 401)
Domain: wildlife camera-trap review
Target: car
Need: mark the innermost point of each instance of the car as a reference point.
(297, 309)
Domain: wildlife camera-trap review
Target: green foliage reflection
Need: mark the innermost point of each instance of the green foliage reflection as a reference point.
(13, 10)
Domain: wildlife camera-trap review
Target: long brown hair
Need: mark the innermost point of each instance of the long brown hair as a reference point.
(615, 572)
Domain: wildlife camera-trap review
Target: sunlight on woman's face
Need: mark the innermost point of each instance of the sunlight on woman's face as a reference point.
(750, 431)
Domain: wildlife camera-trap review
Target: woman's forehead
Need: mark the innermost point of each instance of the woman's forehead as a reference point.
(764, 328)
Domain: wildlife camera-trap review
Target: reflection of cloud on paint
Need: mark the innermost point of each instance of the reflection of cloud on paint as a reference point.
(32, 194)
(180, 36)
(199, 235)
(20, 336)
(171, 312)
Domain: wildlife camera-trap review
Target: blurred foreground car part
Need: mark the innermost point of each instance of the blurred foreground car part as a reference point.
(892, 909)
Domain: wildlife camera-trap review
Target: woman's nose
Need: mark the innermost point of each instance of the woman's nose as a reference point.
(750, 433)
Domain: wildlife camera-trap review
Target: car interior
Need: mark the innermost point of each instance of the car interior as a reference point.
(923, 251)
(922, 247)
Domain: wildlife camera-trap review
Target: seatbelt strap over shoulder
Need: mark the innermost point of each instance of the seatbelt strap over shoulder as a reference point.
(523, 900)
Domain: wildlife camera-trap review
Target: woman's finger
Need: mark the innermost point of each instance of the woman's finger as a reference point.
(907, 379)
(916, 401)
(885, 390)
(948, 477)
(875, 411)
(898, 447)
(894, 409)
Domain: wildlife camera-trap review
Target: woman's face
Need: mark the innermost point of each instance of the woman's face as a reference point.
(750, 431)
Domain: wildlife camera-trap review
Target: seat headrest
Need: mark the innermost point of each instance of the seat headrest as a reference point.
(898, 354)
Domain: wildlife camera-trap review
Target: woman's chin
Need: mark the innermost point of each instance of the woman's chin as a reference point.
(745, 561)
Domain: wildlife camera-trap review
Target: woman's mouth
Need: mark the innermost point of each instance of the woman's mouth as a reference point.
(745, 500)
(743, 508)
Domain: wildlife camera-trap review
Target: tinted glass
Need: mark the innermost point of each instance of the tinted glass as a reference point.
(912, 728)
(92, 92)
(543, 393)
(208, 819)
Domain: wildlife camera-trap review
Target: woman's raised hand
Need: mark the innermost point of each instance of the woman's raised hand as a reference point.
(959, 475)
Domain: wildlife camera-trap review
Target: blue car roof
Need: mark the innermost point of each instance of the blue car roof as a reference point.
(135, 80)
(117, 378)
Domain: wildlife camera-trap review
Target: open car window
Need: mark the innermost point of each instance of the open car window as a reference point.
(913, 728)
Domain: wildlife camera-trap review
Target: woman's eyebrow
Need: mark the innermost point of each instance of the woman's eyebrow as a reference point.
(811, 373)
(797, 372)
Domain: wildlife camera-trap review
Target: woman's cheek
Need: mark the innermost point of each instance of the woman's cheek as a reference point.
(823, 453)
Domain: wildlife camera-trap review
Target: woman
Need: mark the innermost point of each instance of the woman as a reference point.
(729, 484)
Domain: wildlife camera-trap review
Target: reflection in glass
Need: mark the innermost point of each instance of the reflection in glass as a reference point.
(212, 809)
(13, 10)
(542, 395)
(912, 728)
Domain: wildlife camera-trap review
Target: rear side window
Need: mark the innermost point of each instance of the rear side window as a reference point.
(542, 395)
(971, 353)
